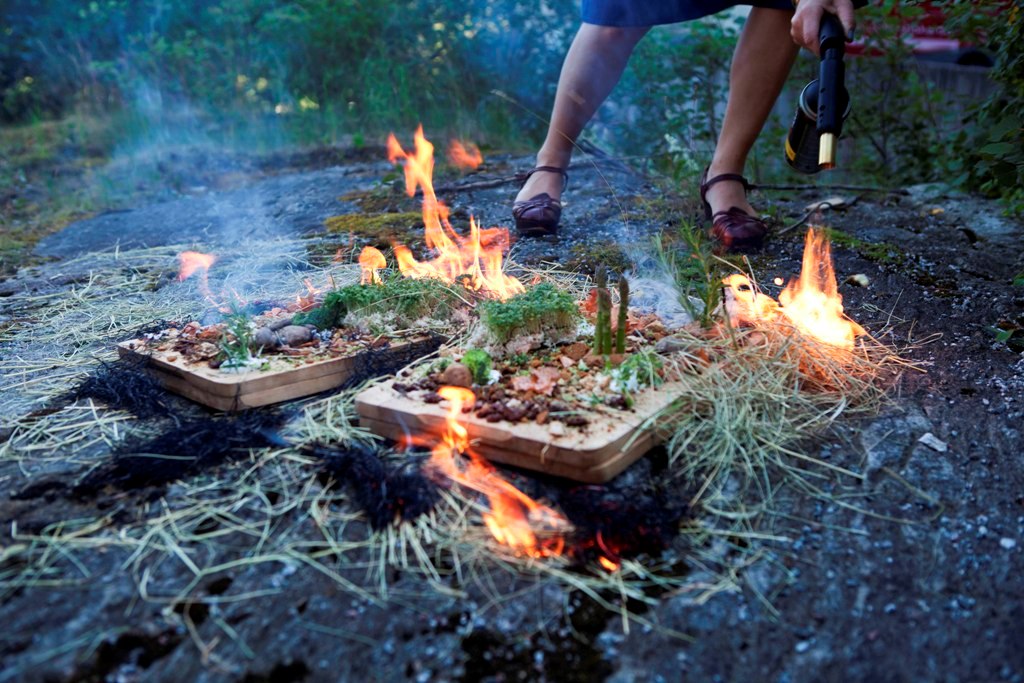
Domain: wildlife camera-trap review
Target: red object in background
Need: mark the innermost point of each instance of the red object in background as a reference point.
(929, 39)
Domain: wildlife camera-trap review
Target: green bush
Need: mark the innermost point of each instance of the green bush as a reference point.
(993, 149)
(335, 66)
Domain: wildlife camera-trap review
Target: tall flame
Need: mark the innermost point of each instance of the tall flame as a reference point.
(476, 260)
(811, 303)
(464, 155)
(514, 519)
(191, 262)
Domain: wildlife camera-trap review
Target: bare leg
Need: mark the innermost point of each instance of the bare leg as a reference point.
(760, 65)
(592, 67)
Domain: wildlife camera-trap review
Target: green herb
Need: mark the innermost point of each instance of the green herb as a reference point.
(234, 342)
(479, 363)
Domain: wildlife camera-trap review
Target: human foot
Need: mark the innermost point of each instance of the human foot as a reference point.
(537, 209)
(733, 221)
(724, 194)
(540, 182)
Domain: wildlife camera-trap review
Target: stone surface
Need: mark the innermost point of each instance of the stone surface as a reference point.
(915, 576)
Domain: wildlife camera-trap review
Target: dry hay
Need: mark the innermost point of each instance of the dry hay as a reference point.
(737, 430)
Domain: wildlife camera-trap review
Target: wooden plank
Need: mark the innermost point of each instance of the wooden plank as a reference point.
(611, 441)
(233, 391)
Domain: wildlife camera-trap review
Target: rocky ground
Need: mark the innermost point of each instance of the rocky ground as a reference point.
(912, 576)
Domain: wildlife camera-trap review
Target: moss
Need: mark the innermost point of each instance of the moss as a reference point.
(542, 308)
(479, 363)
(384, 198)
(401, 300)
(374, 225)
(879, 253)
(586, 257)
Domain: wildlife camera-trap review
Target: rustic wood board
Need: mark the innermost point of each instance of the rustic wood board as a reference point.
(236, 391)
(611, 442)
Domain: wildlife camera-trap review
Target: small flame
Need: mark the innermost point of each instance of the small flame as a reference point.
(464, 155)
(191, 262)
(811, 303)
(307, 301)
(370, 261)
(610, 559)
(476, 261)
(514, 518)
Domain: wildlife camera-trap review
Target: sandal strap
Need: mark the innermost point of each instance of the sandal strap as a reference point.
(747, 186)
(523, 177)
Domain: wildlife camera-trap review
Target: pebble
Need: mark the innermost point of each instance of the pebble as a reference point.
(1007, 543)
(803, 646)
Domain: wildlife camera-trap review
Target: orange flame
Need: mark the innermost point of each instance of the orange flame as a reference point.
(191, 262)
(811, 303)
(370, 261)
(514, 518)
(476, 261)
(464, 155)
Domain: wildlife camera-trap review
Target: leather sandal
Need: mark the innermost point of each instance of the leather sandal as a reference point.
(734, 228)
(539, 215)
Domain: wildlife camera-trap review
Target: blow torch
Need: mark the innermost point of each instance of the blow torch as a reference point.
(824, 104)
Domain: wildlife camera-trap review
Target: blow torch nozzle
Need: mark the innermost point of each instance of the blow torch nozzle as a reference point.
(823, 104)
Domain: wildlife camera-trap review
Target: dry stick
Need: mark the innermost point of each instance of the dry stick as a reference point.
(620, 330)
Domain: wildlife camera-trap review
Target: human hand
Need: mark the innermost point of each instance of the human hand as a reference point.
(807, 20)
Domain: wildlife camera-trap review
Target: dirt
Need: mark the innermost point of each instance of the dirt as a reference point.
(919, 580)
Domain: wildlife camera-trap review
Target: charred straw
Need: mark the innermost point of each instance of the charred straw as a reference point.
(186, 449)
(123, 384)
(386, 492)
(626, 523)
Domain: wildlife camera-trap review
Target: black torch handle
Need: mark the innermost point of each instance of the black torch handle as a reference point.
(832, 95)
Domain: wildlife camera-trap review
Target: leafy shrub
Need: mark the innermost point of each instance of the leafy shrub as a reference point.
(994, 147)
(355, 66)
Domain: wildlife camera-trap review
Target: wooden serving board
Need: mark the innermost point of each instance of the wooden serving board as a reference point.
(594, 454)
(234, 391)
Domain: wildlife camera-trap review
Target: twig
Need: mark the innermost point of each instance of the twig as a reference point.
(482, 185)
(851, 188)
(811, 211)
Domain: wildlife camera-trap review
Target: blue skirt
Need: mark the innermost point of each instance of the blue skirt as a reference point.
(654, 12)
